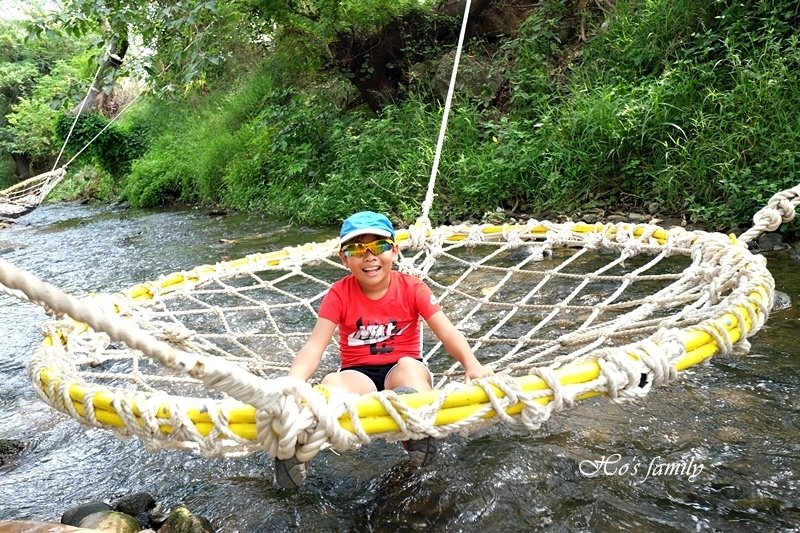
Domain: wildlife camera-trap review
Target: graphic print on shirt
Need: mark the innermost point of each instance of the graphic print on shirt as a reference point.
(376, 336)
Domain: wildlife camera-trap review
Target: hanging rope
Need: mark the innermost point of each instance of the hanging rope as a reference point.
(424, 218)
(26, 196)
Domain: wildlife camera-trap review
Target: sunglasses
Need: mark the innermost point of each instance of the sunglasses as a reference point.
(359, 249)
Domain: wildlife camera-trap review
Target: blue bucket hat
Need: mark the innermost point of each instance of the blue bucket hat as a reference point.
(366, 223)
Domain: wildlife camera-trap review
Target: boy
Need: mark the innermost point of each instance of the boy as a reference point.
(377, 311)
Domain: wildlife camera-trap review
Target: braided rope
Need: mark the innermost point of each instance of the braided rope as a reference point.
(254, 336)
(779, 210)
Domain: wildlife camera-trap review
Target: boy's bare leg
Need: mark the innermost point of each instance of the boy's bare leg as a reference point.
(409, 376)
(409, 372)
(349, 380)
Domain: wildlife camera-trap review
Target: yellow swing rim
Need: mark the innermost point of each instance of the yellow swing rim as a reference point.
(460, 404)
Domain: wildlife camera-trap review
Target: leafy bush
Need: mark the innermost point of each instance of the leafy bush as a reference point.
(112, 146)
(192, 144)
(691, 105)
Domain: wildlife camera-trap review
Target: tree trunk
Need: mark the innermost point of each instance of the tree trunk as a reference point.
(23, 164)
(378, 64)
(96, 97)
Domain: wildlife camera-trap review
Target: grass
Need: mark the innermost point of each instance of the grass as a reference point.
(692, 106)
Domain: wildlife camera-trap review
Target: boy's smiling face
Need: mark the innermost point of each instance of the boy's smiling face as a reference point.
(371, 271)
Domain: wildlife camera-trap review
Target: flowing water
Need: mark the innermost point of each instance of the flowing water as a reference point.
(716, 451)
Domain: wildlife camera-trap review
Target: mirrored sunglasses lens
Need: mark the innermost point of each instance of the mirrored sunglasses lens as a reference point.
(379, 247)
(354, 250)
(360, 249)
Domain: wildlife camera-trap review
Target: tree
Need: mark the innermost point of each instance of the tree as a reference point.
(35, 82)
(373, 43)
(179, 42)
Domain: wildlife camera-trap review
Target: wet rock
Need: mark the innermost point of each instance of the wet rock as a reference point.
(9, 448)
(111, 521)
(639, 218)
(138, 506)
(781, 301)
(730, 435)
(74, 515)
(795, 253)
(760, 504)
(591, 216)
(769, 242)
(36, 526)
(181, 520)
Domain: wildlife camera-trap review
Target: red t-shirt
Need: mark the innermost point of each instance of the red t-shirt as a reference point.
(378, 332)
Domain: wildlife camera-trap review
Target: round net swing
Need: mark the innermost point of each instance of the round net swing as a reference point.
(561, 312)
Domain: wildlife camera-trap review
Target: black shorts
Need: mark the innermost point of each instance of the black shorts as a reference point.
(377, 373)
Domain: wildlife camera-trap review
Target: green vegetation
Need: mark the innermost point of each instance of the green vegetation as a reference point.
(689, 105)
(37, 81)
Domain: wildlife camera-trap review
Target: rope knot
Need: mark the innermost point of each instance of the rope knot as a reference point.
(418, 233)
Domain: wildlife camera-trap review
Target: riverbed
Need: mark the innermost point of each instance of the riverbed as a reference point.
(717, 450)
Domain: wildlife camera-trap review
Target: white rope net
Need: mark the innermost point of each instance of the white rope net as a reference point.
(25, 196)
(538, 302)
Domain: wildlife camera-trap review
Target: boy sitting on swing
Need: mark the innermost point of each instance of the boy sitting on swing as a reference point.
(377, 311)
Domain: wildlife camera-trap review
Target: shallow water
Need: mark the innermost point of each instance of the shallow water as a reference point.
(731, 426)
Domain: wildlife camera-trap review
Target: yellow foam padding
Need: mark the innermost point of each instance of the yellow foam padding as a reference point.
(374, 420)
(186, 280)
(458, 406)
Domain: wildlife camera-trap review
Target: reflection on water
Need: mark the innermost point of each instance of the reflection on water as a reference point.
(737, 418)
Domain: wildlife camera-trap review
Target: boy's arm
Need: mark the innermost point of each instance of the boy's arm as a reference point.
(457, 346)
(307, 359)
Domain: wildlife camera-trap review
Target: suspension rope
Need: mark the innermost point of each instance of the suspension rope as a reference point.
(429, 195)
(75, 120)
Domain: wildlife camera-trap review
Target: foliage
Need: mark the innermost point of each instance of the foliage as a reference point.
(686, 127)
(84, 184)
(37, 78)
(688, 105)
(191, 39)
(113, 147)
(191, 146)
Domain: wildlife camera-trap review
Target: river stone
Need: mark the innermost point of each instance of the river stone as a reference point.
(781, 301)
(137, 505)
(769, 242)
(74, 515)
(8, 448)
(111, 521)
(181, 520)
(639, 218)
(37, 526)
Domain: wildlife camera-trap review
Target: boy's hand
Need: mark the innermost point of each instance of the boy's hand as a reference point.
(477, 372)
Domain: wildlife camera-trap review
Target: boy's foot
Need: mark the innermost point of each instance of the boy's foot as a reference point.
(421, 452)
(290, 473)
